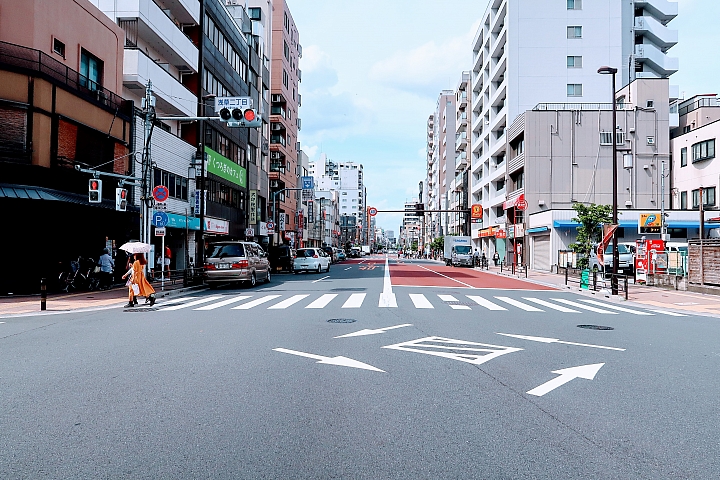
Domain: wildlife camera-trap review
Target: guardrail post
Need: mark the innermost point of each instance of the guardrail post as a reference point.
(526, 271)
(501, 267)
(513, 268)
(566, 275)
(595, 280)
(626, 287)
(43, 294)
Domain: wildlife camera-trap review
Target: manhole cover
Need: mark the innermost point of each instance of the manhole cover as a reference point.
(595, 327)
(342, 320)
(140, 309)
(348, 289)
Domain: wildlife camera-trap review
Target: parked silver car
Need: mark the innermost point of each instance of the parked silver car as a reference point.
(311, 259)
(626, 263)
(236, 262)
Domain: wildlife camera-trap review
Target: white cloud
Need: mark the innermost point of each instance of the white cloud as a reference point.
(310, 150)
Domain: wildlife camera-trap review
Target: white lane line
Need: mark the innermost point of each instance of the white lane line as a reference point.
(516, 303)
(348, 268)
(213, 306)
(420, 301)
(559, 308)
(191, 304)
(287, 302)
(321, 279)
(585, 307)
(323, 301)
(355, 301)
(449, 278)
(621, 309)
(387, 297)
(672, 314)
(255, 303)
(485, 303)
(450, 298)
(174, 300)
(2, 322)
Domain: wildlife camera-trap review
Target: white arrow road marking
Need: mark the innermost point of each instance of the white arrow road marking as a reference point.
(387, 297)
(354, 301)
(450, 298)
(523, 306)
(485, 303)
(341, 361)
(550, 305)
(367, 331)
(191, 304)
(584, 307)
(348, 268)
(255, 303)
(322, 301)
(420, 301)
(287, 302)
(320, 279)
(587, 372)
(213, 306)
(621, 309)
(555, 340)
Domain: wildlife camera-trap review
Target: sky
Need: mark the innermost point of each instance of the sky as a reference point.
(372, 71)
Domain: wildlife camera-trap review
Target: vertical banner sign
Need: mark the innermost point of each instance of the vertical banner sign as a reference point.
(197, 202)
(311, 213)
(253, 207)
(281, 222)
(300, 224)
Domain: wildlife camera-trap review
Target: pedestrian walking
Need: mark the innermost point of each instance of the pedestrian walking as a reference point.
(168, 256)
(106, 264)
(139, 286)
(496, 258)
(483, 260)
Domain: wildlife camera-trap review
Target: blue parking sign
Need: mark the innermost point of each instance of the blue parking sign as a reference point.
(308, 183)
(160, 219)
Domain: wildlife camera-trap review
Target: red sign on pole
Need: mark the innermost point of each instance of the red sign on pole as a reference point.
(500, 234)
(521, 204)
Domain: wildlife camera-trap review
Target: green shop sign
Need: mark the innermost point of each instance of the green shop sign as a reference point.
(225, 168)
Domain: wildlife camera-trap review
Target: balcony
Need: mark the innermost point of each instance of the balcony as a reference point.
(656, 32)
(172, 96)
(462, 101)
(461, 160)
(461, 141)
(277, 139)
(660, 9)
(278, 111)
(656, 59)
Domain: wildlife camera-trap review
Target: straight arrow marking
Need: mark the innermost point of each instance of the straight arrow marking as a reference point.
(587, 372)
(555, 340)
(368, 331)
(340, 361)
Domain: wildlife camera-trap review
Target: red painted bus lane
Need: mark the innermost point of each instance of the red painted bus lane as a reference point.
(415, 275)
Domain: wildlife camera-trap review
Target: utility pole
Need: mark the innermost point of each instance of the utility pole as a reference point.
(663, 227)
(148, 104)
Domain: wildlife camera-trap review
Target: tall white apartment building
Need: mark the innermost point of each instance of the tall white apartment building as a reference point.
(440, 163)
(527, 52)
(459, 191)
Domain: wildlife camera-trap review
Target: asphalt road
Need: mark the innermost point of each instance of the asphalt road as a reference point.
(450, 373)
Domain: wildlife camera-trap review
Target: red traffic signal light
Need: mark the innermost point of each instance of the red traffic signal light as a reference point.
(249, 115)
(121, 199)
(95, 190)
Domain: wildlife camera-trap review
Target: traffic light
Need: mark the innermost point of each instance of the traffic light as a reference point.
(419, 209)
(241, 118)
(121, 199)
(95, 190)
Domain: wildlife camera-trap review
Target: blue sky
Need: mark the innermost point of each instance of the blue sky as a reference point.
(372, 71)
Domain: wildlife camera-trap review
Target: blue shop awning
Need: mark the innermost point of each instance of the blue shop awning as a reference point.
(538, 229)
(571, 224)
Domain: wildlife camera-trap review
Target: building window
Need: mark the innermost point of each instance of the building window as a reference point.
(286, 79)
(606, 138)
(574, 4)
(59, 47)
(683, 157)
(177, 186)
(286, 50)
(683, 200)
(91, 69)
(255, 13)
(708, 197)
(703, 150)
(574, 32)
(574, 61)
(574, 90)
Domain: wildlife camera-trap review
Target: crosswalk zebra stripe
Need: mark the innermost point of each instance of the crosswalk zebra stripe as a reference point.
(323, 300)
(550, 305)
(585, 307)
(483, 302)
(255, 303)
(666, 312)
(287, 302)
(621, 309)
(523, 306)
(355, 301)
(191, 304)
(223, 303)
(450, 298)
(420, 301)
(162, 303)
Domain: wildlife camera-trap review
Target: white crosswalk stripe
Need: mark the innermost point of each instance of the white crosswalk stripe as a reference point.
(223, 303)
(288, 302)
(170, 301)
(667, 312)
(620, 309)
(323, 301)
(483, 302)
(256, 302)
(191, 304)
(559, 308)
(355, 301)
(516, 303)
(450, 298)
(584, 307)
(420, 301)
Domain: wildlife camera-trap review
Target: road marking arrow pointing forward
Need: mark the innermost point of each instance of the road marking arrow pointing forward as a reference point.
(341, 361)
(555, 340)
(587, 372)
(373, 332)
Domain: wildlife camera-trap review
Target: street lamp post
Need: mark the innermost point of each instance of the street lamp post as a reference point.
(616, 259)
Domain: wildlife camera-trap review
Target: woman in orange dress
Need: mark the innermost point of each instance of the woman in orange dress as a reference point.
(145, 289)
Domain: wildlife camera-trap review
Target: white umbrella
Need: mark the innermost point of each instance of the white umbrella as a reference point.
(136, 247)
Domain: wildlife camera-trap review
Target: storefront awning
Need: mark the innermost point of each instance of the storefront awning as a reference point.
(634, 224)
(537, 230)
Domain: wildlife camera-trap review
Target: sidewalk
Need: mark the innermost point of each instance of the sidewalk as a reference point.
(65, 302)
(655, 297)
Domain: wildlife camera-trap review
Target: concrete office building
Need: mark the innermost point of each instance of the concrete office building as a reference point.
(440, 163)
(459, 191)
(527, 52)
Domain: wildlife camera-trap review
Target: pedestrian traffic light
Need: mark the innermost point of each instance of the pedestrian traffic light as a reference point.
(121, 199)
(241, 118)
(419, 209)
(95, 190)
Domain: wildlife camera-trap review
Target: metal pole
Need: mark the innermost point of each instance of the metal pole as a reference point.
(43, 294)
(662, 201)
(702, 232)
(616, 257)
(162, 263)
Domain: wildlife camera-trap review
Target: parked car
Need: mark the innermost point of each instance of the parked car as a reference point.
(626, 263)
(236, 262)
(331, 252)
(354, 252)
(281, 258)
(341, 255)
(311, 259)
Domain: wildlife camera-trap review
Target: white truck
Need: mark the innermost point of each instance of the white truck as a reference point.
(365, 250)
(458, 251)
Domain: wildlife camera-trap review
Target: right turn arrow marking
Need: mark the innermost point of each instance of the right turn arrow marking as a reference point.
(587, 372)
